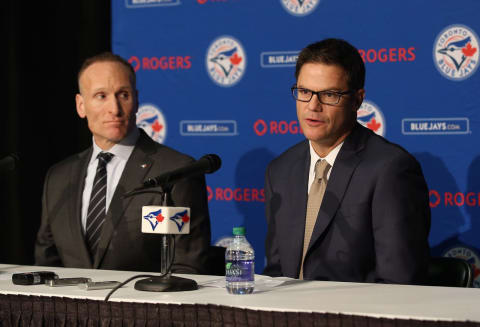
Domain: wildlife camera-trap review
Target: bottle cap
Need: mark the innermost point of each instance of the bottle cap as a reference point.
(240, 231)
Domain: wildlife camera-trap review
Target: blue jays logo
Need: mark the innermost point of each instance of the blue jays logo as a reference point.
(370, 116)
(154, 218)
(470, 256)
(180, 219)
(455, 52)
(226, 61)
(299, 7)
(151, 120)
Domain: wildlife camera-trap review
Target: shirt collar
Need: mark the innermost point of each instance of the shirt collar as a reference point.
(331, 156)
(121, 150)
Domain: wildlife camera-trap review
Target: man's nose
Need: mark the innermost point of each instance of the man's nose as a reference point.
(115, 107)
(314, 104)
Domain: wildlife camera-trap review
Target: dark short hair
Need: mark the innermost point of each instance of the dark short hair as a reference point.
(107, 57)
(335, 52)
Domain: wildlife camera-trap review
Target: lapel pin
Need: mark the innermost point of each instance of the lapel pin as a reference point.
(144, 165)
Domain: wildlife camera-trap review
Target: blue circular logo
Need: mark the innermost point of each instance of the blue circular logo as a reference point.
(226, 61)
(455, 52)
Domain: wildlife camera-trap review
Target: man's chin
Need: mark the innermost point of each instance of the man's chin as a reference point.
(315, 136)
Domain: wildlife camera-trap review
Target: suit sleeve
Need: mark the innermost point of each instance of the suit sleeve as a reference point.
(273, 267)
(401, 222)
(192, 250)
(46, 253)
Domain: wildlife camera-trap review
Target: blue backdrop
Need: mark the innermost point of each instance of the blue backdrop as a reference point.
(214, 76)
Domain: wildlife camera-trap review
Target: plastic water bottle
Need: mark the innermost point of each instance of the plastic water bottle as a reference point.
(239, 264)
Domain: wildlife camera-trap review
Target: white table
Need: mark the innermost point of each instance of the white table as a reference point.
(358, 299)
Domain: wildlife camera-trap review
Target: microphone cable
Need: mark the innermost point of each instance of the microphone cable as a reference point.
(145, 275)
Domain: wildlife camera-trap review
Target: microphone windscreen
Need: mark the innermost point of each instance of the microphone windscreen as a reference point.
(214, 163)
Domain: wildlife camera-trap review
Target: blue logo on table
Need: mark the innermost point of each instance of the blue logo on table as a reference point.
(208, 128)
(226, 61)
(154, 218)
(455, 52)
(151, 120)
(275, 59)
(435, 126)
(150, 3)
(300, 7)
(180, 219)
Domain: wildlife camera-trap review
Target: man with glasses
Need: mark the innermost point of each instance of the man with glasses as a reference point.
(345, 204)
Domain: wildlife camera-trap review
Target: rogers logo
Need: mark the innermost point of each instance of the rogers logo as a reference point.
(163, 63)
(238, 194)
(388, 55)
(261, 127)
(135, 62)
(458, 199)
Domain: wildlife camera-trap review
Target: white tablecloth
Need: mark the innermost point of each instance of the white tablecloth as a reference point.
(374, 300)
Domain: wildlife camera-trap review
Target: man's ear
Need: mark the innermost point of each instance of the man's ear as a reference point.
(136, 101)
(80, 105)
(359, 96)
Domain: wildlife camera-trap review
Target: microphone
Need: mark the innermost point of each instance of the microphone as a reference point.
(207, 164)
(9, 162)
(167, 220)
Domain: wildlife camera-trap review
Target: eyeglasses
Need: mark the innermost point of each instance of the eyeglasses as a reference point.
(325, 97)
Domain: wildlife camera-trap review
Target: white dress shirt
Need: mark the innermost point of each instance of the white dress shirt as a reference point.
(121, 152)
(313, 160)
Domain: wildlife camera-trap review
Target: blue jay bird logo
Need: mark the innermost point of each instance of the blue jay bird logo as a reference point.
(455, 52)
(180, 219)
(458, 51)
(226, 61)
(153, 123)
(154, 218)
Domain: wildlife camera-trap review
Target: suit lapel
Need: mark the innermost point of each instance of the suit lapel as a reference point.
(343, 168)
(133, 175)
(295, 222)
(77, 179)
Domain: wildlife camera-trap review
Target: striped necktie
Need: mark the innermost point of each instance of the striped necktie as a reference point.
(315, 197)
(97, 206)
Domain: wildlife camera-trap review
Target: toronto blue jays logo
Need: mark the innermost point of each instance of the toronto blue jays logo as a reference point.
(154, 218)
(370, 116)
(151, 120)
(180, 219)
(226, 61)
(455, 52)
(299, 7)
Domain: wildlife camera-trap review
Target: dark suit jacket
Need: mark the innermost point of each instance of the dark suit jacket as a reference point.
(122, 246)
(373, 223)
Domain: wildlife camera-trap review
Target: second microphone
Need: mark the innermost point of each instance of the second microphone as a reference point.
(207, 164)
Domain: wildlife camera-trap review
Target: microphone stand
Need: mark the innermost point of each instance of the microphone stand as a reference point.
(166, 282)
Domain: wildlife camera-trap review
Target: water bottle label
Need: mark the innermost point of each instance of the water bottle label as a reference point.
(239, 271)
